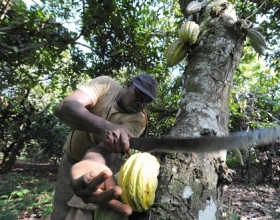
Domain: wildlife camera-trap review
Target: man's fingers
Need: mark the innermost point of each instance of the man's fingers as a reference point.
(83, 181)
(108, 145)
(102, 197)
(97, 181)
(119, 207)
(118, 145)
(110, 182)
(114, 204)
(116, 139)
(125, 144)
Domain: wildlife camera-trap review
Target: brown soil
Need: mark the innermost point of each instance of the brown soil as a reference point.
(42, 170)
(246, 201)
(252, 198)
(253, 201)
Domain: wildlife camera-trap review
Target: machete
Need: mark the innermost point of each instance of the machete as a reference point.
(235, 140)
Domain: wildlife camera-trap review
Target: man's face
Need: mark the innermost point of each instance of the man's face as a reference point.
(134, 100)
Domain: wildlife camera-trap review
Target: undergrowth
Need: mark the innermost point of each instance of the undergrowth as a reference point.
(21, 196)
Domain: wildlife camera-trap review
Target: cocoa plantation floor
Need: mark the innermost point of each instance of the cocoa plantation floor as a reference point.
(242, 200)
(254, 202)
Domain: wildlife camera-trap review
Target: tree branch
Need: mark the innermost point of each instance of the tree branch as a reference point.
(84, 45)
(269, 114)
(12, 49)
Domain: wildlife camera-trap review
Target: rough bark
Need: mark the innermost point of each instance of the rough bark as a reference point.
(190, 185)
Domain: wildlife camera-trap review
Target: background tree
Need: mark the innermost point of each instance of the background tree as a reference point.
(32, 67)
(254, 103)
(41, 56)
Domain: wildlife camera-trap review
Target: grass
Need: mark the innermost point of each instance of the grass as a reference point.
(23, 196)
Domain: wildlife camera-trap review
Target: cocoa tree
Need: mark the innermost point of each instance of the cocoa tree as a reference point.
(190, 185)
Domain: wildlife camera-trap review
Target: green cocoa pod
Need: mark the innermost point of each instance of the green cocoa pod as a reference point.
(175, 53)
(189, 32)
(103, 213)
(193, 7)
(257, 37)
(258, 48)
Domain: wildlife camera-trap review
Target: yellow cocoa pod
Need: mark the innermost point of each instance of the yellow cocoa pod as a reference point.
(175, 53)
(123, 177)
(102, 213)
(188, 33)
(138, 179)
(149, 171)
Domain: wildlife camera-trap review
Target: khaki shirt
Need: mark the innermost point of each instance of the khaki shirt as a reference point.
(103, 92)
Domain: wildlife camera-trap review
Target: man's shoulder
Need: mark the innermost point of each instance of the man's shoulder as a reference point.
(105, 79)
(139, 116)
(101, 82)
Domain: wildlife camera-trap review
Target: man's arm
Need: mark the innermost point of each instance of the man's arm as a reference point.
(74, 112)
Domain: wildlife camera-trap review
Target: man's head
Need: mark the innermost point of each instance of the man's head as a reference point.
(141, 91)
(146, 84)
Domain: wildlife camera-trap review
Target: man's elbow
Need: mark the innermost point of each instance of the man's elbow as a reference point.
(59, 110)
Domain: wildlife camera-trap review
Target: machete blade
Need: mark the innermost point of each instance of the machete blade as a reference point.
(235, 140)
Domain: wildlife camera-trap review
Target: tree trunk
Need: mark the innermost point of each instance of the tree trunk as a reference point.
(21, 121)
(10, 155)
(190, 185)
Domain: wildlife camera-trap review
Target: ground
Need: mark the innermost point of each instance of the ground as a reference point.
(253, 201)
(243, 200)
(251, 198)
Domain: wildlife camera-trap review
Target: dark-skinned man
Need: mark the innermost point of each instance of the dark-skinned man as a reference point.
(103, 116)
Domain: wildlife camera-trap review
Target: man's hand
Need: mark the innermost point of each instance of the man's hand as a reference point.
(116, 139)
(94, 183)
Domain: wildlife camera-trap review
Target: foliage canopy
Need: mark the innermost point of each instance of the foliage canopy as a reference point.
(49, 47)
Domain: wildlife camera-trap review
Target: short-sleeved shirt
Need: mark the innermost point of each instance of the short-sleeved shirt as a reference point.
(103, 92)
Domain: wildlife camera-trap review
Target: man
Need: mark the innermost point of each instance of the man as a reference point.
(103, 116)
